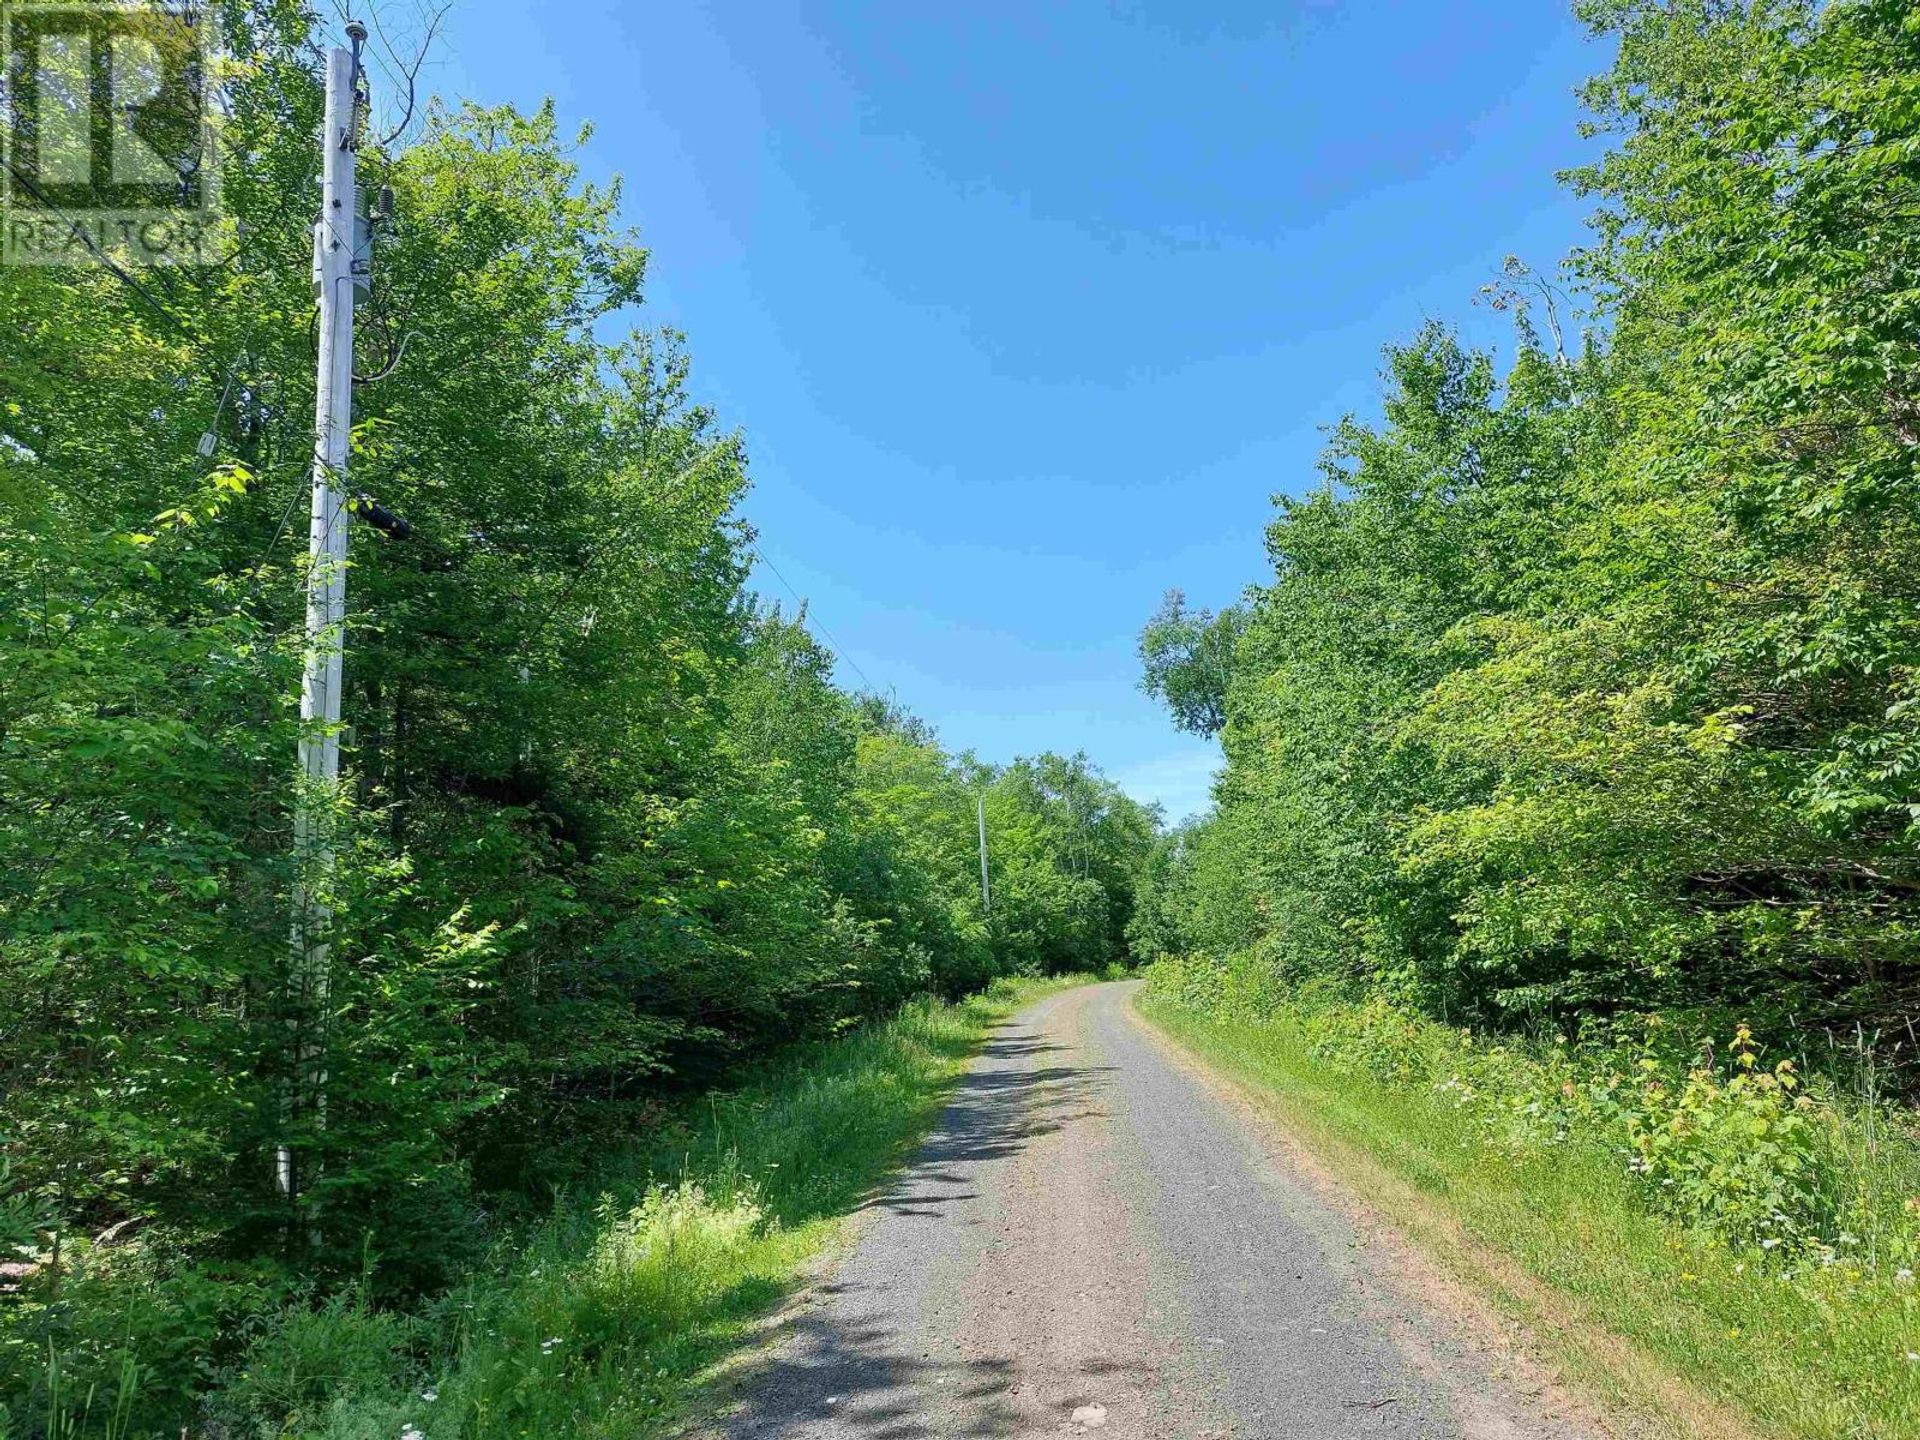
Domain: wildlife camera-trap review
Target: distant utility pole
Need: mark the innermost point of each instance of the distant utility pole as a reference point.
(341, 259)
(986, 896)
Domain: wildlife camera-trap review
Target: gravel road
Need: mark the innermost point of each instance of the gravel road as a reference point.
(1096, 1239)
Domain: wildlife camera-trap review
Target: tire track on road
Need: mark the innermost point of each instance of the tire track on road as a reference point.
(1091, 1239)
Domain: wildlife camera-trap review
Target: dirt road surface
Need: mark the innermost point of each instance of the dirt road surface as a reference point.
(1097, 1239)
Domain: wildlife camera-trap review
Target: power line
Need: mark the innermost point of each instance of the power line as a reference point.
(107, 262)
(834, 646)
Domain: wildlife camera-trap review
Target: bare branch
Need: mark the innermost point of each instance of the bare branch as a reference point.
(410, 69)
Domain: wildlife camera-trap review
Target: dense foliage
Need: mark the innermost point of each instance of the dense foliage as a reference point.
(1567, 849)
(1738, 1236)
(1586, 685)
(608, 830)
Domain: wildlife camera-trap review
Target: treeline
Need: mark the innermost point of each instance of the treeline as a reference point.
(1586, 684)
(609, 830)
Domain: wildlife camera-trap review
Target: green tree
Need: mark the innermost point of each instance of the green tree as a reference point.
(1589, 686)
(1186, 659)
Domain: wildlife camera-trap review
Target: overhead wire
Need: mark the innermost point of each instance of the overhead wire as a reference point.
(834, 647)
(107, 262)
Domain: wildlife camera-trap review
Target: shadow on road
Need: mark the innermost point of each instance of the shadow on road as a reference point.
(839, 1365)
(1001, 1105)
(836, 1376)
(832, 1371)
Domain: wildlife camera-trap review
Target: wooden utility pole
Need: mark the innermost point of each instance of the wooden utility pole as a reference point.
(986, 895)
(341, 258)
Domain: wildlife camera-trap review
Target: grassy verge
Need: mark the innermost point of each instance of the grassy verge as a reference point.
(1695, 1336)
(603, 1322)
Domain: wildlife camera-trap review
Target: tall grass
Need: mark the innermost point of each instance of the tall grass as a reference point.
(1678, 1214)
(600, 1321)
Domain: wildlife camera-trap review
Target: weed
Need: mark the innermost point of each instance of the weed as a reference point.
(600, 1321)
(1750, 1230)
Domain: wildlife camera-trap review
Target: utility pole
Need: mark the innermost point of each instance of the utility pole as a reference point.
(340, 272)
(986, 896)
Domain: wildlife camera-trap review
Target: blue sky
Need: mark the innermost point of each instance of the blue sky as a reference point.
(1027, 310)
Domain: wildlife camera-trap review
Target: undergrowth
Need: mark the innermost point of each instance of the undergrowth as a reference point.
(1754, 1227)
(603, 1319)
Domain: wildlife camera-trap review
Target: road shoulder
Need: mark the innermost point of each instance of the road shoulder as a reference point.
(1501, 1334)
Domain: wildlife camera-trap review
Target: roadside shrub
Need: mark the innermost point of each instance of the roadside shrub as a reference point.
(309, 1357)
(660, 1264)
(1374, 1036)
(1733, 1149)
(592, 1322)
(1737, 1155)
(122, 1330)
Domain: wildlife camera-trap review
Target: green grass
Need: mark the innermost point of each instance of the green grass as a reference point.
(609, 1319)
(1652, 1320)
